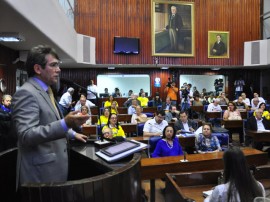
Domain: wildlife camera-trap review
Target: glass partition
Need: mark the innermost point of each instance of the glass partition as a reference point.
(124, 82)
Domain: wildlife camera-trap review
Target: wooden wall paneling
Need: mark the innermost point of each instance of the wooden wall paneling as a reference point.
(105, 19)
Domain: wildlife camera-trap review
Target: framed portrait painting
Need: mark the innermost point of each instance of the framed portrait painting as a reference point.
(218, 44)
(172, 26)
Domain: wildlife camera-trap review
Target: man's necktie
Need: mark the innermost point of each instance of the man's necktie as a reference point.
(50, 93)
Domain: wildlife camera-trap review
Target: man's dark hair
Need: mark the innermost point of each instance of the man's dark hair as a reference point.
(161, 112)
(37, 55)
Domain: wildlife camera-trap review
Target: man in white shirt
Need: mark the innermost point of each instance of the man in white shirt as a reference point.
(214, 107)
(256, 95)
(155, 126)
(65, 102)
(245, 99)
(91, 91)
(84, 102)
(255, 103)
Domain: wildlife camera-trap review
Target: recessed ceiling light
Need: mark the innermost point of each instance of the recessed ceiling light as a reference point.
(11, 37)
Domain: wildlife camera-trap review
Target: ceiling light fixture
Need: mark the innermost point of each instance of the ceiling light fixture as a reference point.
(11, 37)
(111, 67)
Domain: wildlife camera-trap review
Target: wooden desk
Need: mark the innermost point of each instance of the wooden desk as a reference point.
(122, 110)
(213, 115)
(126, 118)
(149, 110)
(130, 129)
(183, 186)
(94, 110)
(259, 136)
(155, 168)
(90, 131)
(184, 141)
(232, 123)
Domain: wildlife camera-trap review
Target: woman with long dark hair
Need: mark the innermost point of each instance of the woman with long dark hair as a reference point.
(239, 184)
(113, 124)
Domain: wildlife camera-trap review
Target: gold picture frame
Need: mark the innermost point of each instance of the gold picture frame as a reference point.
(172, 27)
(218, 44)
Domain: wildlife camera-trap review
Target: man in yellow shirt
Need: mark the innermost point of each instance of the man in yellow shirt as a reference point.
(144, 100)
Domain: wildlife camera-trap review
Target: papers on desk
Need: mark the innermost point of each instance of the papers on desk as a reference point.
(207, 193)
(122, 155)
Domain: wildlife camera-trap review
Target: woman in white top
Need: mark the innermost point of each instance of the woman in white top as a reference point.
(240, 185)
(232, 113)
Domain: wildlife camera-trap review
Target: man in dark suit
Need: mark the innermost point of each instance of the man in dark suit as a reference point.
(174, 26)
(184, 124)
(41, 129)
(257, 123)
(219, 47)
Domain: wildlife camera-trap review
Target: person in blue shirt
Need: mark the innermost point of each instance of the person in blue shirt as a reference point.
(205, 141)
(168, 145)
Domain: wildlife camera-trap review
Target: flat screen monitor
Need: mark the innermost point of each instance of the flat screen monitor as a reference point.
(103, 94)
(126, 45)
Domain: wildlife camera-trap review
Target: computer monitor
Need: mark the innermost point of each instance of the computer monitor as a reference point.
(103, 95)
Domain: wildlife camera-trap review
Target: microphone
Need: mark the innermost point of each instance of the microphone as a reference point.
(185, 157)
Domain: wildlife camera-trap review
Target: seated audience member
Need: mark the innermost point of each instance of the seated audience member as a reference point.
(107, 133)
(245, 99)
(197, 101)
(85, 111)
(166, 106)
(232, 113)
(255, 103)
(65, 102)
(84, 102)
(141, 91)
(265, 113)
(184, 124)
(106, 91)
(155, 126)
(114, 107)
(138, 117)
(204, 93)
(128, 103)
(240, 104)
(144, 100)
(211, 98)
(117, 93)
(223, 99)
(132, 108)
(257, 123)
(256, 95)
(239, 183)
(157, 100)
(103, 119)
(109, 102)
(168, 145)
(114, 126)
(205, 141)
(7, 140)
(172, 115)
(130, 92)
(214, 107)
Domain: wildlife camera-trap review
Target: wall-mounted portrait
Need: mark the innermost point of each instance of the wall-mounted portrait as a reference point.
(218, 44)
(172, 28)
